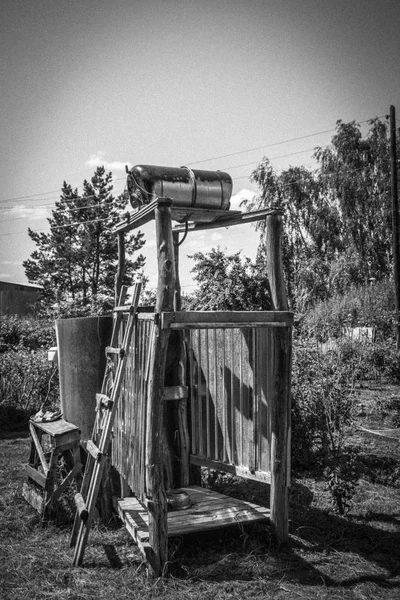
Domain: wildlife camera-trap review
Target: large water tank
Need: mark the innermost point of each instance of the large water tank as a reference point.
(81, 346)
(186, 187)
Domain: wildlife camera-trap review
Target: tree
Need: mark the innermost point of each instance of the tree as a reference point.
(228, 282)
(337, 218)
(76, 261)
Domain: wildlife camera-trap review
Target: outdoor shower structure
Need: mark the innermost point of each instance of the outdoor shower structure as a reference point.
(200, 388)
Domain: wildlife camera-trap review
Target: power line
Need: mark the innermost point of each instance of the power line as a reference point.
(302, 137)
(32, 197)
(270, 158)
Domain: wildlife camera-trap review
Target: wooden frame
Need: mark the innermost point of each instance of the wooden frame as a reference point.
(166, 401)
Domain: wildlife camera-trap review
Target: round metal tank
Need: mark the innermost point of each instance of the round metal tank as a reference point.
(81, 346)
(186, 187)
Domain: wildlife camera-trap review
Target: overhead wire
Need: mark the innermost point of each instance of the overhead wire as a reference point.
(295, 139)
(33, 196)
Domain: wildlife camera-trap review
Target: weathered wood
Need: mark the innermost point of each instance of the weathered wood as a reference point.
(175, 392)
(280, 406)
(239, 471)
(95, 468)
(274, 264)
(61, 488)
(137, 219)
(93, 450)
(228, 219)
(36, 476)
(39, 449)
(156, 466)
(121, 266)
(208, 511)
(58, 428)
(33, 496)
(220, 319)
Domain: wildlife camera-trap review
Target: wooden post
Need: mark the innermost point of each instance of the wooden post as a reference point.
(156, 485)
(280, 408)
(121, 266)
(395, 222)
(181, 413)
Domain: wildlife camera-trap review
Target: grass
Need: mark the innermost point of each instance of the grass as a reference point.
(352, 557)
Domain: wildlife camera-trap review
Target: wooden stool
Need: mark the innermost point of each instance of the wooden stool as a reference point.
(49, 442)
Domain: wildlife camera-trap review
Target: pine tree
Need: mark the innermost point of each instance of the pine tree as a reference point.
(76, 261)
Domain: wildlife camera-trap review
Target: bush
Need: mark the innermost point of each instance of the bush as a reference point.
(28, 333)
(323, 404)
(26, 381)
(364, 306)
(26, 377)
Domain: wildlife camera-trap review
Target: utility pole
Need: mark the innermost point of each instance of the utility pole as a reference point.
(395, 220)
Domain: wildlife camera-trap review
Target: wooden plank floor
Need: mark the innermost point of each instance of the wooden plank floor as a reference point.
(209, 510)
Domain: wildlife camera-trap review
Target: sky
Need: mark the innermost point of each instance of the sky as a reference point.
(212, 84)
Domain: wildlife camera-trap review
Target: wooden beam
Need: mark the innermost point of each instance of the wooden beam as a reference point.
(121, 266)
(280, 404)
(137, 219)
(39, 448)
(155, 458)
(263, 476)
(220, 319)
(274, 263)
(201, 215)
(230, 220)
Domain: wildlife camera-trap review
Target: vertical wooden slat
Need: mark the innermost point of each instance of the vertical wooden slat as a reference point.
(224, 395)
(215, 394)
(193, 395)
(207, 396)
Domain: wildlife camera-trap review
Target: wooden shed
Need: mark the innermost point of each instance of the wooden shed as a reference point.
(18, 298)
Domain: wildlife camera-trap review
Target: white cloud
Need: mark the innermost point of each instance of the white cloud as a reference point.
(98, 159)
(236, 199)
(30, 212)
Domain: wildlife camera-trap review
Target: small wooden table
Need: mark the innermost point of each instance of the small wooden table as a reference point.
(50, 442)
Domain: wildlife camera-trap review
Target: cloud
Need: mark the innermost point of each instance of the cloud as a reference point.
(98, 159)
(236, 199)
(30, 212)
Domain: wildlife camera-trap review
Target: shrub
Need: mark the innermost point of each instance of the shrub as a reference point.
(26, 381)
(323, 404)
(363, 306)
(31, 334)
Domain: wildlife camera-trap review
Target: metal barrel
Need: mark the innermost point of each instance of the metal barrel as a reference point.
(186, 187)
(81, 346)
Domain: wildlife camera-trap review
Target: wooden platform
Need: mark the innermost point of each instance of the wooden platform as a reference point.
(209, 511)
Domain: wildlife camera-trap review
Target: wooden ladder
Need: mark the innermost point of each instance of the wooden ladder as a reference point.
(107, 402)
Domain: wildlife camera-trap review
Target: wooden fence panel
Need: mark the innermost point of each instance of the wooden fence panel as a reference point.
(230, 393)
(130, 425)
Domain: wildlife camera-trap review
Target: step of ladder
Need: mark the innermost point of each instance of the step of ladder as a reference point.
(107, 402)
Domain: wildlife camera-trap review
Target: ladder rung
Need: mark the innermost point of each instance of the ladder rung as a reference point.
(127, 308)
(104, 400)
(94, 450)
(81, 507)
(111, 350)
(119, 351)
